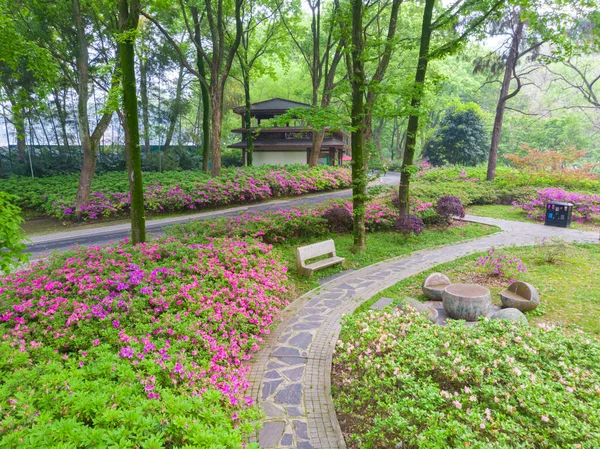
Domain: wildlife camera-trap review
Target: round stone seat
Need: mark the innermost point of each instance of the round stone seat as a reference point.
(466, 301)
(521, 296)
(509, 314)
(434, 285)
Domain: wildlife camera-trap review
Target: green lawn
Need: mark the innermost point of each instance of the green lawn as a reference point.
(380, 246)
(570, 295)
(510, 213)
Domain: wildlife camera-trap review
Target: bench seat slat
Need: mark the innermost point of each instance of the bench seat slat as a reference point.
(324, 263)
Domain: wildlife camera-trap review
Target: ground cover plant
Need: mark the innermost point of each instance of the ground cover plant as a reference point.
(401, 379)
(150, 344)
(173, 191)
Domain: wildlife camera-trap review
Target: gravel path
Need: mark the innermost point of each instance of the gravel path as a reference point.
(291, 374)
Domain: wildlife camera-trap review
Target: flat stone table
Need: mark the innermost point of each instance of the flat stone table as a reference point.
(466, 301)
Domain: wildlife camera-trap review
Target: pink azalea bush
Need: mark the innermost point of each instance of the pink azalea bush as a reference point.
(175, 191)
(500, 265)
(402, 381)
(586, 208)
(157, 336)
(282, 224)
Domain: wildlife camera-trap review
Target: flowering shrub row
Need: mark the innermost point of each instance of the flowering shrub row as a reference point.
(402, 381)
(147, 344)
(586, 208)
(176, 191)
(281, 224)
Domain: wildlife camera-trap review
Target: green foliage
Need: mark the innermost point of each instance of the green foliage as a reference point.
(498, 384)
(460, 140)
(317, 118)
(555, 250)
(11, 234)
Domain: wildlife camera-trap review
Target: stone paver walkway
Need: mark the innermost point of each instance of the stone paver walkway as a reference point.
(291, 374)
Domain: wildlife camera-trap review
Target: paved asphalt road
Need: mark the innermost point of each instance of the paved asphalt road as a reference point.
(42, 245)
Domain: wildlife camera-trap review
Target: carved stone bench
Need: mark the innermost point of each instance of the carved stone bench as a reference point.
(308, 252)
(520, 295)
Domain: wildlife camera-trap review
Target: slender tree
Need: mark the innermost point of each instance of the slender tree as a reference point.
(364, 95)
(261, 22)
(203, 89)
(224, 43)
(129, 12)
(322, 54)
(478, 14)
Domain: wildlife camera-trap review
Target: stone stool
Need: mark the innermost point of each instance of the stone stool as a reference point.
(434, 285)
(466, 301)
(520, 295)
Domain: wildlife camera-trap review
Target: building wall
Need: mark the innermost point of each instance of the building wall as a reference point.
(278, 157)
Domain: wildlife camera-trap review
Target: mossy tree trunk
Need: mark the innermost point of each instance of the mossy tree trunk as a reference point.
(413, 120)
(129, 11)
(359, 162)
(203, 90)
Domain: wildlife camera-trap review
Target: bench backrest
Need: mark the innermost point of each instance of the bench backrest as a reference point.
(307, 252)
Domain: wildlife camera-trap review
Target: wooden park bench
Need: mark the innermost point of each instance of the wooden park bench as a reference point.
(306, 253)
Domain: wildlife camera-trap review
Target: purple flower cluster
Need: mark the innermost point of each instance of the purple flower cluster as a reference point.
(586, 208)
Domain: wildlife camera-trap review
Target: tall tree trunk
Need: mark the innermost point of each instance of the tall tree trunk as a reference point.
(315, 149)
(175, 110)
(88, 166)
(511, 63)
(205, 118)
(215, 135)
(204, 91)
(359, 166)
(393, 142)
(413, 120)
(19, 123)
(144, 98)
(248, 120)
(129, 11)
(62, 118)
(377, 138)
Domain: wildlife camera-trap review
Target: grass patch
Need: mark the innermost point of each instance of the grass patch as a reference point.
(569, 296)
(380, 246)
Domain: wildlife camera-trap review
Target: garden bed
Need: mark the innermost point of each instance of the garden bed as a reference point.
(402, 380)
(498, 384)
(157, 336)
(561, 273)
(172, 191)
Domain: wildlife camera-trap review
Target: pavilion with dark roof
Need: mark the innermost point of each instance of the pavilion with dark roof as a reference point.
(290, 144)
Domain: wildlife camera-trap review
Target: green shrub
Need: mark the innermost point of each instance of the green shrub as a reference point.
(400, 379)
(11, 234)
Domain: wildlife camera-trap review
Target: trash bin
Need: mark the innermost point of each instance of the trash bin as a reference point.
(558, 214)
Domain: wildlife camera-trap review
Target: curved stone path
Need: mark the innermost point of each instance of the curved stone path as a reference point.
(291, 374)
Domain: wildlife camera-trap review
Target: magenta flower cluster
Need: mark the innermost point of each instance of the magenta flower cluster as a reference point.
(240, 189)
(586, 208)
(279, 225)
(184, 316)
(500, 265)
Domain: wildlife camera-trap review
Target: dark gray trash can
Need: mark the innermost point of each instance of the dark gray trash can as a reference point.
(558, 214)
